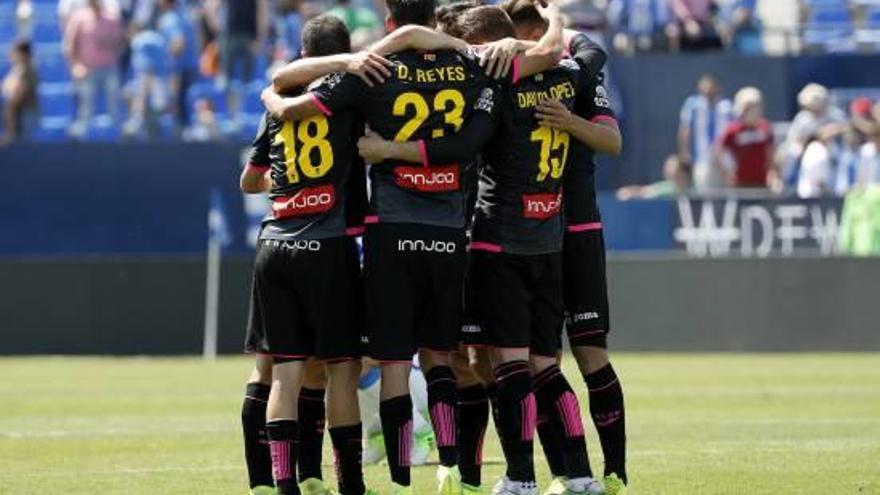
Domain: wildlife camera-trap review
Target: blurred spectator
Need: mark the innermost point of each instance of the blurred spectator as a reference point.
(363, 23)
(242, 27)
(869, 161)
(749, 139)
(817, 116)
(847, 172)
(676, 181)
(66, 8)
(704, 116)
(93, 42)
(204, 127)
(24, 19)
(695, 28)
(863, 121)
(178, 29)
(640, 25)
(860, 223)
(149, 63)
(19, 93)
(288, 29)
(741, 27)
(816, 168)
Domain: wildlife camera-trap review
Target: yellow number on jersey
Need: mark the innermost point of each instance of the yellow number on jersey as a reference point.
(551, 140)
(448, 101)
(290, 132)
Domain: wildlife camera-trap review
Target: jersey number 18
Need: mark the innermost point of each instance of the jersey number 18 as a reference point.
(311, 134)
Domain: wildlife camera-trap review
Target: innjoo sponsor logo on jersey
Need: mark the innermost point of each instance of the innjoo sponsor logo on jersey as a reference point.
(428, 179)
(541, 206)
(307, 201)
(419, 245)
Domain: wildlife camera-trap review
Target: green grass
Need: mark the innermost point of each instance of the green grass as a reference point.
(708, 424)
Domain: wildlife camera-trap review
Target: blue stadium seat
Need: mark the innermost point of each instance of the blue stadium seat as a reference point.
(56, 99)
(252, 103)
(869, 33)
(46, 32)
(830, 28)
(52, 129)
(51, 64)
(8, 32)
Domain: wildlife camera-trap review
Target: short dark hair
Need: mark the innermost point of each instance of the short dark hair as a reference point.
(485, 24)
(419, 12)
(523, 13)
(448, 16)
(23, 47)
(325, 35)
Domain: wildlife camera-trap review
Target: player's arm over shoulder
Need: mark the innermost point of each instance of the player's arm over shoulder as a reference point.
(334, 93)
(255, 177)
(546, 54)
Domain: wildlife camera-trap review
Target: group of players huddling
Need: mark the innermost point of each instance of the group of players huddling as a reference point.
(475, 256)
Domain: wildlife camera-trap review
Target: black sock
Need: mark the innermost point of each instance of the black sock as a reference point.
(551, 442)
(606, 407)
(560, 404)
(397, 427)
(311, 432)
(473, 418)
(256, 445)
(517, 415)
(492, 394)
(442, 404)
(283, 435)
(348, 451)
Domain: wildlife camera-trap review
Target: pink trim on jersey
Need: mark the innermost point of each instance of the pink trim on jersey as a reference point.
(371, 219)
(320, 104)
(583, 227)
(355, 231)
(485, 246)
(604, 119)
(424, 151)
(516, 70)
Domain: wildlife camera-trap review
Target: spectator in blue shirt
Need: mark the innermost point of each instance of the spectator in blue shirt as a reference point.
(741, 27)
(288, 28)
(150, 63)
(640, 25)
(704, 116)
(179, 32)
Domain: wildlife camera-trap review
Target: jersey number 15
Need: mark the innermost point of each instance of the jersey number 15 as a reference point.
(553, 142)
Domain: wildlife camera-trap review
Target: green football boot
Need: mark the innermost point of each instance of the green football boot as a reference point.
(314, 486)
(471, 489)
(614, 485)
(400, 490)
(448, 481)
(263, 490)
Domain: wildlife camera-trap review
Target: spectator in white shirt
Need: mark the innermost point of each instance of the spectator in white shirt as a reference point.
(815, 170)
(817, 116)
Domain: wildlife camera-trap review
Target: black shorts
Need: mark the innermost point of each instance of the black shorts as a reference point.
(519, 300)
(307, 300)
(414, 281)
(585, 289)
(471, 331)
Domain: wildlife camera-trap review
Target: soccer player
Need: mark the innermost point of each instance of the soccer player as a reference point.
(517, 256)
(307, 294)
(415, 256)
(594, 128)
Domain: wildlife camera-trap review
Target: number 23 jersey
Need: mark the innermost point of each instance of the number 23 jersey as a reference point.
(429, 95)
(318, 179)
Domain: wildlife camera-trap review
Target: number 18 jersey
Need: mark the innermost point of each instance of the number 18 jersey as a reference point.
(318, 179)
(428, 95)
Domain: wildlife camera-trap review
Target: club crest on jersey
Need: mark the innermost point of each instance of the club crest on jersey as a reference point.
(307, 201)
(541, 206)
(428, 179)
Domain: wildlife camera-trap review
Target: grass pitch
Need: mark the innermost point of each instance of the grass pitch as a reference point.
(707, 424)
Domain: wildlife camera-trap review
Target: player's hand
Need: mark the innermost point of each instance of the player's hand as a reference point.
(547, 9)
(552, 113)
(370, 67)
(372, 148)
(497, 57)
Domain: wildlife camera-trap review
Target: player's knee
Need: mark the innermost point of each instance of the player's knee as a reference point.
(590, 359)
(428, 359)
(541, 363)
(262, 372)
(315, 376)
(465, 376)
(395, 379)
(344, 374)
(502, 355)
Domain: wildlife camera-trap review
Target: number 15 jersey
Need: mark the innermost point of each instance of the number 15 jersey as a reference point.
(318, 179)
(429, 95)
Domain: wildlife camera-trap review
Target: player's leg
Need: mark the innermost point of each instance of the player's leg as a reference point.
(391, 299)
(423, 430)
(253, 425)
(473, 418)
(282, 426)
(253, 409)
(588, 325)
(552, 389)
(502, 305)
(346, 431)
(312, 414)
(550, 436)
(368, 399)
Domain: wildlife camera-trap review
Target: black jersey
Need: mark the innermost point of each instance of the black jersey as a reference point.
(579, 198)
(428, 96)
(318, 179)
(520, 200)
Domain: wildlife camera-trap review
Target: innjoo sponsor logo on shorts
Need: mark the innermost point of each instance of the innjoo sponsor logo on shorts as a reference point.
(586, 316)
(419, 245)
(304, 245)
